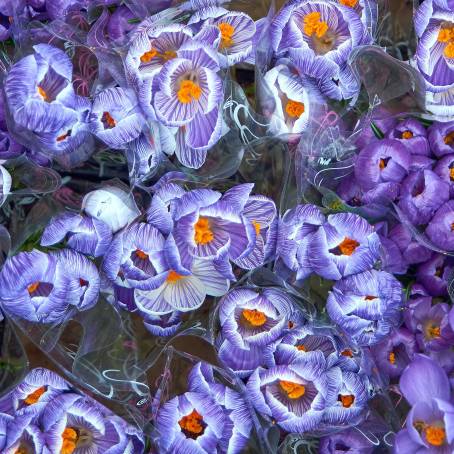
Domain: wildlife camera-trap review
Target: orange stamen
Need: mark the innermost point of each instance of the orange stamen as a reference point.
(35, 395)
(188, 92)
(407, 135)
(257, 227)
(348, 246)
(254, 317)
(294, 109)
(293, 390)
(435, 436)
(347, 352)
(148, 56)
(141, 254)
(202, 231)
(370, 298)
(347, 400)
(392, 358)
(449, 50)
(301, 348)
(449, 138)
(70, 438)
(108, 119)
(33, 287)
(64, 136)
(192, 423)
(451, 174)
(433, 332)
(173, 276)
(43, 94)
(349, 3)
(314, 24)
(227, 32)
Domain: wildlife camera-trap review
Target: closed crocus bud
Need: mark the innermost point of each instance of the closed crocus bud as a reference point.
(111, 205)
(5, 182)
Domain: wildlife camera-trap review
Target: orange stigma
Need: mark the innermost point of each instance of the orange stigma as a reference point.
(202, 231)
(348, 246)
(35, 395)
(33, 287)
(433, 331)
(314, 25)
(254, 317)
(370, 297)
(148, 56)
(392, 358)
(435, 436)
(70, 438)
(83, 282)
(407, 135)
(173, 276)
(301, 348)
(349, 3)
(227, 32)
(449, 138)
(189, 91)
(346, 400)
(347, 352)
(64, 136)
(257, 227)
(108, 120)
(293, 390)
(192, 424)
(141, 254)
(43, 94)
(449, 50)
(294, 109)
(451, 174)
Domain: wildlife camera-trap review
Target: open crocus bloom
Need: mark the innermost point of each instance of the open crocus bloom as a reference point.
(366, 306)
(441, 137)
(411, 133)
(20, 435)
(440, 229)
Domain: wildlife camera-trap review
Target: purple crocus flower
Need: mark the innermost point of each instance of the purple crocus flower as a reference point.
(325, 29)
(250, 322)
(434, 55)
(115, 117)
(348, 441)
(201, 379)
(82, 233)
(440, 229)
(430, 422)
(294, 396)
(189, 93)
(31, 289)
(163, 325)
(119, 24)
(444, 168)
(441, 137)
(384, 162)
(366, 306)
(412, 134)
(395, 352)
(20, 435)
(434, 274)
(421, 194)
(344, 245)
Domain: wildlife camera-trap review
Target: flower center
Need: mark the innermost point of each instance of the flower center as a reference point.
(192, 425)
(346, 400)
(347, 247)
(35, 395)
(70, 438)
(254, 317)
(257, 227)
(407, 135)
(435, 436)
(451, 174)
(64, 136)
(383, 163)
(290, 324)
(43, 94)
(314, 25)
(188, 92)
(108, 121)
(33, 287)
(83, 282)
(433, 331)
(301, 348)
(148, 56)
(293, 390)
(370, 298)
(141, 254)
(392, 358)
(349, 3)
(449, 138)
(202, 231)
(22, 449)
(227, 32)
(347, 352)
(173, 276)
(446, 35)
(294, 109)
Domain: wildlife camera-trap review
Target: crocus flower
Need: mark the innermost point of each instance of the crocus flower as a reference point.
(429, 425)
(440, 229)
(386, 161)
(31, 289)
(412, 134)
(189, 93)
(395, 352)
(366, 306)
(115, 117)
(20, 435)
(325, 29)
(82, 233)
(119, 24)
(201, 379)
(192, 421)
(347, 441)
(163, 325)
(344, 245)
(434, 55)
(441, 137)
(444, 168)
(5, 184)
(294, 396)
(434, 274)
(112, 205)
(421, 194)
(250, 322)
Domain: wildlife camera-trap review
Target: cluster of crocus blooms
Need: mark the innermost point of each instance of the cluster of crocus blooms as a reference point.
(45, 414)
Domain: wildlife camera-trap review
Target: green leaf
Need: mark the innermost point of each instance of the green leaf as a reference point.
(377, 131)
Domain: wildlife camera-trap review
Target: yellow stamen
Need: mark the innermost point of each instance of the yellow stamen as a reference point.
(444, 35)
(348, 246)
(33, 287)
(202, 231)
(433, 331)
(349, 3)
(188, 92)
(435, 436)
(192, 423)
(347, 400)
(227, 32)
(449, 50)
(173, 276)
(257, 227)
(294, 109)
(293, 390)
(314, 24)
(35, 396)
(254, 317)
(407, 135)
(392, 358)
(70, 438)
